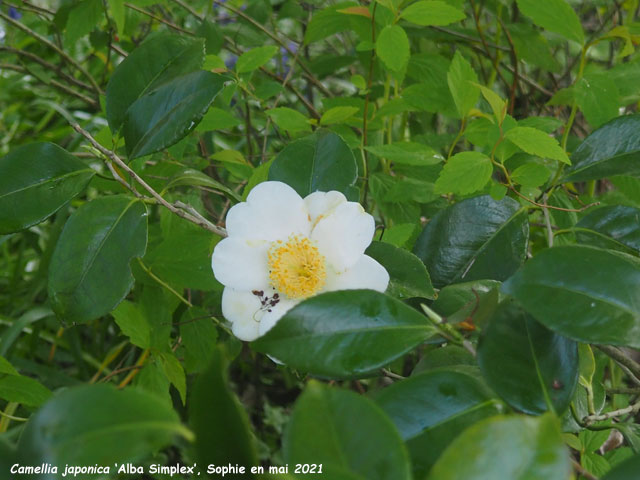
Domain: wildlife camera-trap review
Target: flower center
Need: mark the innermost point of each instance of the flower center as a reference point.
(296, 267)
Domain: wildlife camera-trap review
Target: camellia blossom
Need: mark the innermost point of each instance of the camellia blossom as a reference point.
(282, 249)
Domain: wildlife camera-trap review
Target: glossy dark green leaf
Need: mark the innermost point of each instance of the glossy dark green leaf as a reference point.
(89, 274)
(199, 335)
(35, 181)
(347, 333)
(613, 149)
(477, 238)
(627, 470)
(408, 275)
(111, 425)
(616, 227)
(21, 389)
(165, 115)
(514, 447)
(431, 408)
(341, 430)
(319, 162)
(585, 293)
(528, 365)
(219, 421)
(157, 61)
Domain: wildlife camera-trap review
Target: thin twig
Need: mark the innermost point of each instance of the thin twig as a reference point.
(514, 61)
(623, 360)
(54, 47)
(631, 409)
(390, 374)
(367, 98)
(188, 9)
(580, 469)
(552, 207)
(201, 221)
(158, 19)
(47, 65)
(54, 83)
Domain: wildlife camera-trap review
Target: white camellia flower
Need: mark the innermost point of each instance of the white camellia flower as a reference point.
(282, 249)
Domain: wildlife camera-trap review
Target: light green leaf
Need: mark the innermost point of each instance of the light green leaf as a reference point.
(337, 115)
(6, 367)
(462, 79)
(289, 119)
(464, 173)
(432, 12)
(407, 153)
(536, 142)
(175, 373)
(392, 46)
(217, 119)
(498, 105)
(554, 15)
(133, 324)
(255, 58)
(530, 175)
(20, 389)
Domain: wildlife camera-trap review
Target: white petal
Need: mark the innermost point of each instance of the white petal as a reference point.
(321, 204)
(343, 235)
(242, 309)
(269, 319)
(366, 273)
(241, 263)
(273, 211)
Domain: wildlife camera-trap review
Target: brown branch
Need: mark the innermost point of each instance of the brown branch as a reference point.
(631, 409)
(552, 207)
(158, 19)
(514, 61)
(200, 221)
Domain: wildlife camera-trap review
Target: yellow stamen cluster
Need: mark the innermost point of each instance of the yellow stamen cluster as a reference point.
(296, 267)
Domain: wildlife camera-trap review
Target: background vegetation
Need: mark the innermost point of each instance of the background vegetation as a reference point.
(495, 142)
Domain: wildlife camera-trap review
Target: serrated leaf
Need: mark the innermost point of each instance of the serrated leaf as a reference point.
(530, 175)
(289, 119)
(133, 324)
(464, 173)
(536, 142)
(554, 15)
(407, 153)
(432, 12)
(392, 46)
(461, 79)
(255, 58)
(337, 115)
